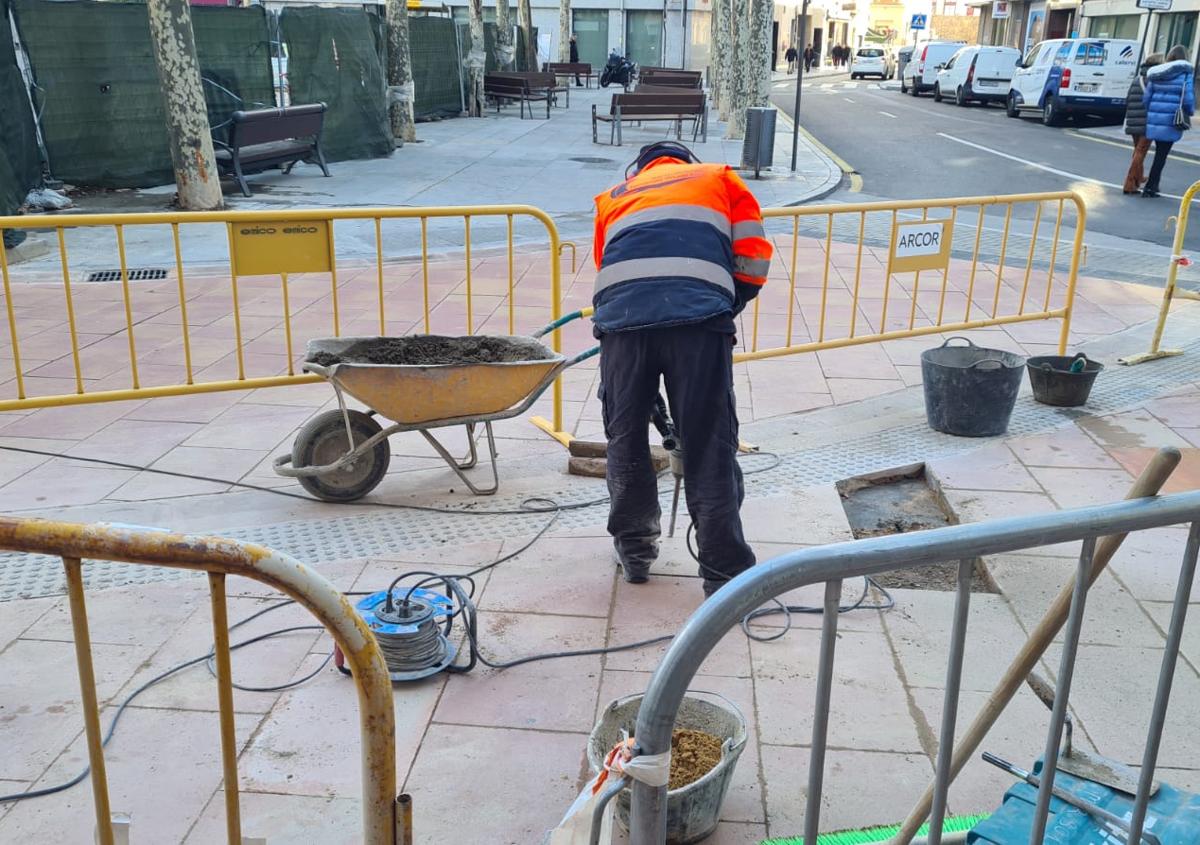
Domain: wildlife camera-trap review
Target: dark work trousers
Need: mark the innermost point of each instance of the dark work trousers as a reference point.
(1162, 149)
(697, 366)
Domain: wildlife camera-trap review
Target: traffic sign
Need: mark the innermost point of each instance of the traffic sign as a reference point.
(918, 21)
(1155, 5)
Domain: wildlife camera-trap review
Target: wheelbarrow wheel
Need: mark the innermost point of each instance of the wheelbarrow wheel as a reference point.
(323, 441)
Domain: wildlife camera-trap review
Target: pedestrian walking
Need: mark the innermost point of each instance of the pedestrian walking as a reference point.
(680, 248)
(574, 57)
(1135, 125)
(1170, 100)
(790, 55)
(808, 58)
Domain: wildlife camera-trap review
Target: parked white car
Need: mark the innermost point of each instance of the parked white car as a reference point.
(977, 74)
(1068, 76)
(871, 61)
(920, 74)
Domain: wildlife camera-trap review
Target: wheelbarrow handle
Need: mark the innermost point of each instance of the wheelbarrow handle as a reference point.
(563, 320)
(317, 369)
(582, 356)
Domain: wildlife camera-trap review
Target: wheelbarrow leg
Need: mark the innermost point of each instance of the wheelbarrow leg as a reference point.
(452, 462)
(473, 454)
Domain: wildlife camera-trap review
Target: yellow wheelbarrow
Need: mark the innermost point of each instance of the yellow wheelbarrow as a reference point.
(341, 455)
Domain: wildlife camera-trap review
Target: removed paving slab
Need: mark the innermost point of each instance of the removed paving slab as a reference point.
(501, 743)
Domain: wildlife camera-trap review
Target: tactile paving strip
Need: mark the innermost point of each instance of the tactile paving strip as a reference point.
(390, 532)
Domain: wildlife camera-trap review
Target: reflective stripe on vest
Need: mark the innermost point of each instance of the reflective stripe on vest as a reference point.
(748, 229)
(650, 268)
(695, 213)
(756, 267)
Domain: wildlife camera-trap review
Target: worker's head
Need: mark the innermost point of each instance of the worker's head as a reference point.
(657, 150)
(1177, 53)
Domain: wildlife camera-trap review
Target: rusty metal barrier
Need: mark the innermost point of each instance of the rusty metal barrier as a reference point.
(1171, 291)
(220, 557)
(290, 252)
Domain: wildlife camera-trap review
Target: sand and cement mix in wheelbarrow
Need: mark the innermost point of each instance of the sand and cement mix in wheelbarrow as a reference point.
(429, 350)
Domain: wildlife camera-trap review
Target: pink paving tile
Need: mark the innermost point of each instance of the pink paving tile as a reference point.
(1131, 428)
(19, 615)
(855, 389)
(993, 467)
(980, 506)
(57, 483)
(1186, 476)
(660, 607)
(516, 697)
(511, 804)
(162, 768)
(229, 464)
(1076, 488)
(134, 441)
(857, 362)
(69, 423)
(288, 756)
(284, 819)
(572, 577)
(848, 801)
(247, 426)
(1063, 447)
(1176, 411)
(40, 710)
(868, 696)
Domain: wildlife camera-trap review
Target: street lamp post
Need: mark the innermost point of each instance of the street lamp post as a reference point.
(799, 80)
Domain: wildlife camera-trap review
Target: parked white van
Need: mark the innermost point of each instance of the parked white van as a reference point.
(920, 73)
(1069, 76)
(977, 74)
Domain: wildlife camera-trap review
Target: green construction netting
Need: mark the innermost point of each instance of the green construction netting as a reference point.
(332, 59)
(19, 159)
(436, 73)
(97, 84)
(523, 65)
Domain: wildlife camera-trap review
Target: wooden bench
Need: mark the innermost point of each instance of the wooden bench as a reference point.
(686, 79)
(502, 88)
(571, 69)
(642, 107)
(539, 81)
(265, 138)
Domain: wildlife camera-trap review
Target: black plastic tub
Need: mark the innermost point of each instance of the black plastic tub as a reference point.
(1054, 384)
(970, 391)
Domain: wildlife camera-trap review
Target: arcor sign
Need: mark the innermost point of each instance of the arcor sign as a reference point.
(923, 245)
(272, 247)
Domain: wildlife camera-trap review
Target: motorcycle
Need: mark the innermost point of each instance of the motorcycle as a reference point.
(619, 70)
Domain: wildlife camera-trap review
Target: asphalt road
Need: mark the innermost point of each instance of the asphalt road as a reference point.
(904, 148)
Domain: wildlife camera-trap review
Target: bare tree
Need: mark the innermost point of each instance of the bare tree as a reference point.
(564, 30)
(721, 56)
(504, 34)
(400, 76)
(196, 178)
(525, 17)
(738, 63)
(476, 61)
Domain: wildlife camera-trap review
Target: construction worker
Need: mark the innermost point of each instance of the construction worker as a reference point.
(680, 250)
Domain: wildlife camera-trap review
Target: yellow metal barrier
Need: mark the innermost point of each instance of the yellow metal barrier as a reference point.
(841, 293)
(1170, 291)
(295, 248)
(219, 557)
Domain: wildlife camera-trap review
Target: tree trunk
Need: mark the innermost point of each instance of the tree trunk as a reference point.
(400, 77)
(196, 177)
(505, 45)
(525, 15)
(739, 60)
(758, 69)
(564, 30)
(720, 56)
(476, 61)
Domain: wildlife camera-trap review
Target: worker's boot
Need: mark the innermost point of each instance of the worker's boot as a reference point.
(634, 571)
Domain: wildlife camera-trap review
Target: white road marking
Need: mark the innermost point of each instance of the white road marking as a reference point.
(1066, 174)
(887, 114)
(827, 85)
(847, 99)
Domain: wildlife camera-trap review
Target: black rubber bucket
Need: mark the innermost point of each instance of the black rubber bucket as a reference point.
(970, 391)
(1054, 383)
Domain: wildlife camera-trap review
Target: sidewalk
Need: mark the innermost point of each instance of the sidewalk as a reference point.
(551, 164)
(498, 743)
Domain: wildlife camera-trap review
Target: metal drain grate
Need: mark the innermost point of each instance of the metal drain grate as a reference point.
(138, 274)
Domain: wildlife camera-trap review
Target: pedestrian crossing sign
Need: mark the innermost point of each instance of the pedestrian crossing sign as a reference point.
(918, 22)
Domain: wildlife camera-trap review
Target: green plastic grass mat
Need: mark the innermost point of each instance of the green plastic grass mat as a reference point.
(20, 162)
(873, 835)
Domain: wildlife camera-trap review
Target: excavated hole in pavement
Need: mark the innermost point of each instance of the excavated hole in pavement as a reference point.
(897, 501)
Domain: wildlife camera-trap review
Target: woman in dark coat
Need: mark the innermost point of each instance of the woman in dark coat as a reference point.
(1135, 125)
(1170, 87)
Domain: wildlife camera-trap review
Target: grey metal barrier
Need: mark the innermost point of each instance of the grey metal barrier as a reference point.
(833, 563)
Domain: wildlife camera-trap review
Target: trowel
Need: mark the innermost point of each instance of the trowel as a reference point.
(1084, 764)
